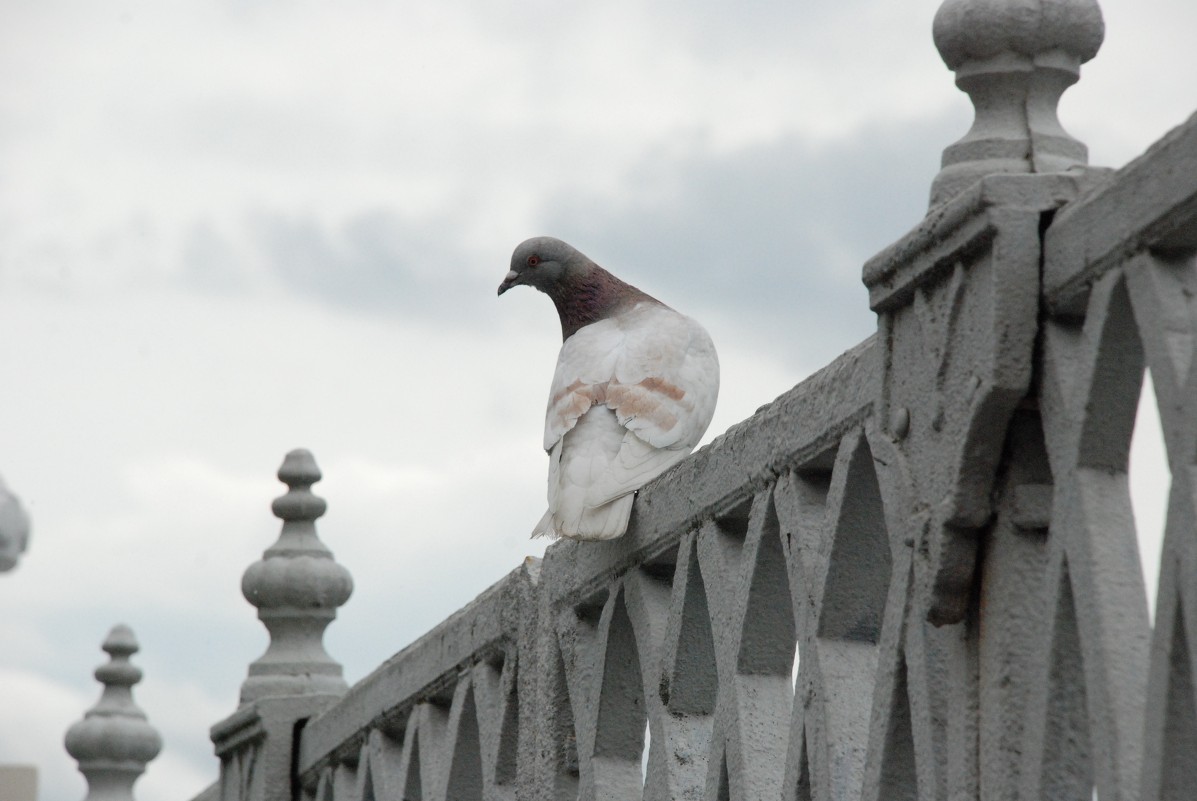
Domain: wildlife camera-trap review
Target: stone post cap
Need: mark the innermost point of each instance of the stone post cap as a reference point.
(1015, 59)
(114, 741)
(978, 30)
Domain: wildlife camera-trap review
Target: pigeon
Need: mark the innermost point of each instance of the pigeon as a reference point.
(634, 389)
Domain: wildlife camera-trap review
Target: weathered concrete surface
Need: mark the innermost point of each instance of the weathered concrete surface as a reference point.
(958, 302)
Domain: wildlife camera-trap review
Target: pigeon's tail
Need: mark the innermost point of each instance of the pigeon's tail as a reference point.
(605, 522)
(545, 527)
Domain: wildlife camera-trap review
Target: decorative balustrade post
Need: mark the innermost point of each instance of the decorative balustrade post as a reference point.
(957, 299)
(297, 587)
(958, 305)
(114, 741)
(14, 529)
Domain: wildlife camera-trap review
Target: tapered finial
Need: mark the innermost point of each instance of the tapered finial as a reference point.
(1014, 58)
(114, 741)
(297, 587)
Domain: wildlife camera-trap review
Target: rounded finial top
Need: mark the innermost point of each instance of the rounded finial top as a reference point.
(120, 644)
(299, 469)
(975, 30)
(114, 741)
(299, 472)
(121, 640)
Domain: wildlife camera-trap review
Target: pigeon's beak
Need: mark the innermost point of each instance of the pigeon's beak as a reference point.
(509, 281)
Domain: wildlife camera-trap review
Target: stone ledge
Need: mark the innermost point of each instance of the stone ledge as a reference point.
(422, 671)
(961, 225)
(1151, 203)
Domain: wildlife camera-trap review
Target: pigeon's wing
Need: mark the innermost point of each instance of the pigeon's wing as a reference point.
(585, 366)
(666, 378)
(586, 498)
(637, 463)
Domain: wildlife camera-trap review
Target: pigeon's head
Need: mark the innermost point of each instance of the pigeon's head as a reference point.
(542, 262)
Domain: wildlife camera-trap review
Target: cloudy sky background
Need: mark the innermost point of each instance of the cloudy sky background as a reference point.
(228, 229)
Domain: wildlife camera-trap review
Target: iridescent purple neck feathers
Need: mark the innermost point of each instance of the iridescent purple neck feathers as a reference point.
(583, 292)
(587, 297)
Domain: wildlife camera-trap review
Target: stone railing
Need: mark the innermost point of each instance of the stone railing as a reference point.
(915, 575)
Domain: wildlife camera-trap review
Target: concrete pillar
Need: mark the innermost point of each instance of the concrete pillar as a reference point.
(297, 587)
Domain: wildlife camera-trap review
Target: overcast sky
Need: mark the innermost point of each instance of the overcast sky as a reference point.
(232, 228)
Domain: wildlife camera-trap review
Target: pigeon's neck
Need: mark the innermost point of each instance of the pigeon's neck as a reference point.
(592, 296)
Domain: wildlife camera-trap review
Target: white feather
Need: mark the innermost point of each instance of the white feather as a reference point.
(631, 396)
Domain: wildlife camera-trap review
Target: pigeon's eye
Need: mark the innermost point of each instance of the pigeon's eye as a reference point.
(533, 260)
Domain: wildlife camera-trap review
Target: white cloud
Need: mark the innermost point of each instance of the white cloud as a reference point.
(37, 714)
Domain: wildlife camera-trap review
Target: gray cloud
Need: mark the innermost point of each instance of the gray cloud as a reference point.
(376, 262)
(774, 235)
(210, 262)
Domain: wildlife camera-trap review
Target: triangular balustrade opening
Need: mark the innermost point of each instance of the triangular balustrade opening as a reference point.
(366, 771)
(858, 575)
(619, 733)
(563, 735)
(413, 787)
(693, 682)
(769, 636)
(1109, 421)
(465, 770)
(509, 739)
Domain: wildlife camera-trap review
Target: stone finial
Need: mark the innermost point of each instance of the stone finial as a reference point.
(114, 741)
(297, 587)
(1014, 58)
(14, 529)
